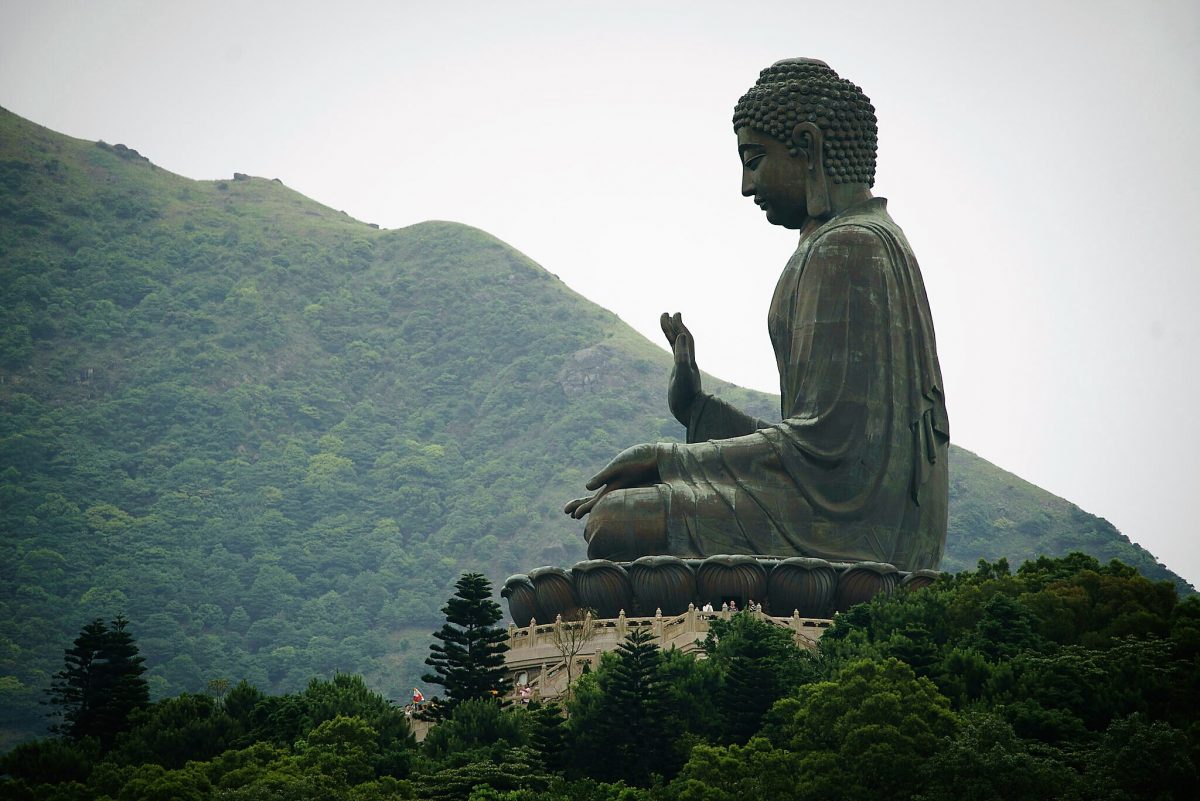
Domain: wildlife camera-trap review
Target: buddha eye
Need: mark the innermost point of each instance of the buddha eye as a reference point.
(752, 160)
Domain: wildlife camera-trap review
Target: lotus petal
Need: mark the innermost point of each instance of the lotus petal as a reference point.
(862, 581)
(736, 577)
(522, 603)
(661, 582)
(555, 592)
(603, 587)
(802, 584)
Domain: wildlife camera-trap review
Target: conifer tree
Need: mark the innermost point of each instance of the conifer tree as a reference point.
(101, 682)
(629, 722)
(469, 661)
(549, 735)
(759, 662)
(71, 690)
(751, 686)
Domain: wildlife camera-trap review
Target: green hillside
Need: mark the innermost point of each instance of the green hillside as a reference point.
(272, 436)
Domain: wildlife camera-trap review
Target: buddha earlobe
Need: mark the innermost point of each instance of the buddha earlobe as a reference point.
(810, 142)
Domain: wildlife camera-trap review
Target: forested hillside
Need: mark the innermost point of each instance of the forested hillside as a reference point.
(272, 436)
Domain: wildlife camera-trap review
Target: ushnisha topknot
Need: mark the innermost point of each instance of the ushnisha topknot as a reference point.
(799, 89)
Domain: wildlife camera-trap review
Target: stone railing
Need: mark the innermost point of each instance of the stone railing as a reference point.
(537, 657)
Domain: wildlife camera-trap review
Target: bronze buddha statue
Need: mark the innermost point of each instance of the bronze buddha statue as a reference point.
(856, 470)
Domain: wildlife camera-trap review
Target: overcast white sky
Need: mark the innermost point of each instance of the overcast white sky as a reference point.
(1041, 156)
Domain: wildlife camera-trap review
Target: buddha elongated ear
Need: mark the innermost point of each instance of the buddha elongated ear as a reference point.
(810, 142)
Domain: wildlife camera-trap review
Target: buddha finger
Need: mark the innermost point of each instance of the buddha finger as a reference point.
(606, 475)
(587, 504)
(667, 328)
(683, 349)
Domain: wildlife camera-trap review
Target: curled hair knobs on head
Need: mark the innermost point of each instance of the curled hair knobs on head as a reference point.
(808, 90)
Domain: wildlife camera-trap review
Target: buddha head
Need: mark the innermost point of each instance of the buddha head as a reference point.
(801, 129)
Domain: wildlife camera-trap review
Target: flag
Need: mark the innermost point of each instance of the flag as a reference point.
(417, 697)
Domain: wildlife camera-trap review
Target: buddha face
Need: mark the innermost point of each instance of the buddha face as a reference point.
(776, 179)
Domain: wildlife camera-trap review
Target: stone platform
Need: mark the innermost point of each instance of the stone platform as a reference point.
(668, 585)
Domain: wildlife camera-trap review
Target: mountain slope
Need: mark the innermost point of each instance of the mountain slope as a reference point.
(272, 435)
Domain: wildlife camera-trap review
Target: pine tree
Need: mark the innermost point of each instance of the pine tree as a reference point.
(100, 684)
(73, 687)
(631, 719)
(549, 735)
(469, 662)
(759, 662)
(121, 673)
(751, 687)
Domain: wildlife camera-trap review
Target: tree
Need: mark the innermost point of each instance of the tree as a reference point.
(755, 770)
(549, 735)
(50, 761)
(72, 689)
(469, 662)
(511, 769)
(569, 638)
(344, 747)
(760, 662)
(1140, 758)
(986, 761)
(174, 731)
(865, 734)
(619, 726)
(100, 684)
(476, 726)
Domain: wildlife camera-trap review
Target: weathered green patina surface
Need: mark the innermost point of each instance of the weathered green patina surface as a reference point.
(856, 470)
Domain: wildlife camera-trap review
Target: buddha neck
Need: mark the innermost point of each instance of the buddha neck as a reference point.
(842, 197)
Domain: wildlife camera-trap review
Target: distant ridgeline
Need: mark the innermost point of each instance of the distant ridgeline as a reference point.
(272, 436)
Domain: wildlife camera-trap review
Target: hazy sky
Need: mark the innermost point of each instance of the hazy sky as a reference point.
(1041, 157)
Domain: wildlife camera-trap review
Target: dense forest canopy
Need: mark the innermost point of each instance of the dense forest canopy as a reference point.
(1065, 680)
(273, 435)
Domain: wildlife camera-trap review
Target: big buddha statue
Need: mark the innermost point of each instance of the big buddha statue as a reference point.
(856, 470)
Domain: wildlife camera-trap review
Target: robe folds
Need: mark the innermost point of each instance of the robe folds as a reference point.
(857, 468)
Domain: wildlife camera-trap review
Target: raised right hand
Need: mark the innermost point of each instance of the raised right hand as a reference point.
(684, 387)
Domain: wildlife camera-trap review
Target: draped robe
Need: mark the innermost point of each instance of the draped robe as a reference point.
(857, 468)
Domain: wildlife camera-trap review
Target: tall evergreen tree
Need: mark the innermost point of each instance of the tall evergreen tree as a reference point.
(760, 662)
(751, 686)
(469, 661)
(101, 682)
(72, 691)
(549, 735)
(629, 722)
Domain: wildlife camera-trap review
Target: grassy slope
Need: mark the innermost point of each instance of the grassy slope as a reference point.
(273, 435)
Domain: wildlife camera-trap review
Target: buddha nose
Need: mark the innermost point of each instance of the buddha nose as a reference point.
(747, 184)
